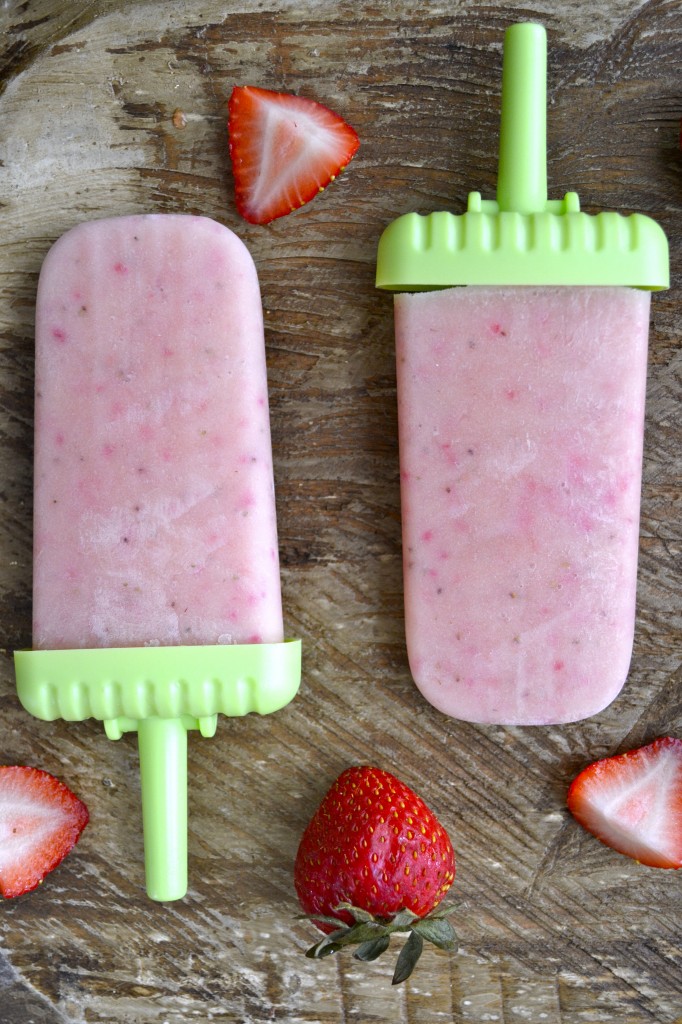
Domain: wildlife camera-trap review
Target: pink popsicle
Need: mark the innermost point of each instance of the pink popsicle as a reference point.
(157, 601)
(154, 500)
(521, 344)
(521, 420)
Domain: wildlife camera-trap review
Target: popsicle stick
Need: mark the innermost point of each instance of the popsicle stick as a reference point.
(163, 776)
(522, 170)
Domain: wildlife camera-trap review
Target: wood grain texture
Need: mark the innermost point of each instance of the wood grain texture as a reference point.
(555, 928)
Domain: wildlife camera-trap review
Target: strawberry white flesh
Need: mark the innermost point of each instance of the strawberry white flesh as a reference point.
(633, 802)
(40, 822)
(284, 149)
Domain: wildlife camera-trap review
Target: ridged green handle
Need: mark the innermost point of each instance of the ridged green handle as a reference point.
(522, 168)
(160, 692)
(522, 237)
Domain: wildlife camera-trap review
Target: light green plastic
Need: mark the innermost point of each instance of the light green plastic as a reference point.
(160, 692)
(522, 238)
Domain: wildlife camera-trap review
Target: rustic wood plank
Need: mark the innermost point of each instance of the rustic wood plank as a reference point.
(554, 927)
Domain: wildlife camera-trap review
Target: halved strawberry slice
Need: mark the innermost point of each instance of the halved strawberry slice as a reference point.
(40, 822)
(284, 150)
(633, 802)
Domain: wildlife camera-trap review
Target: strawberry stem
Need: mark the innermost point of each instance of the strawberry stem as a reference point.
(372, 935)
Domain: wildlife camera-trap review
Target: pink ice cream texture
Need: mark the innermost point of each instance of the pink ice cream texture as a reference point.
(154, 498)
(521, 413)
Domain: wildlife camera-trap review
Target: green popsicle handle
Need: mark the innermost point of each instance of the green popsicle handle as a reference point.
(162, 746)
(522, 237)
(522, 168)
(160, 693)
(163, 777)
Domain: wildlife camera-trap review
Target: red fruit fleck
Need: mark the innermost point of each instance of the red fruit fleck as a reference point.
(284, 150)
(40, 822)
(633, 802)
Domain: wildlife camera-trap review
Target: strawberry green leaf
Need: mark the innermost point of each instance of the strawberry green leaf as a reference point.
(364, 932)
(403, 920)
(438, 931)
(373, 949)
(407, 960)
(335, 921)
(443, 911)
(357, 913)
(328, 945)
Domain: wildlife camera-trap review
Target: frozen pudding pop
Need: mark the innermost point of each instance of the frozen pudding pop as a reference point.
(521, 344)
(156, 589)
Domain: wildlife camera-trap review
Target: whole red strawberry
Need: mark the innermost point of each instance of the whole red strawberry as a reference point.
(375, 860)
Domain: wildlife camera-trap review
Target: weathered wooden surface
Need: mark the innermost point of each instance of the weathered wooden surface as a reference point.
(555, 928)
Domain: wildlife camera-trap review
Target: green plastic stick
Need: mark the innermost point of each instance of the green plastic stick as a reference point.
(160, 692)
(163, 754)
(522, 237)
(522, 168)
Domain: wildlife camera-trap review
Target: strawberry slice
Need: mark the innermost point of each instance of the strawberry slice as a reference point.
(40, 821)
(633, 802)
(284, 150)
